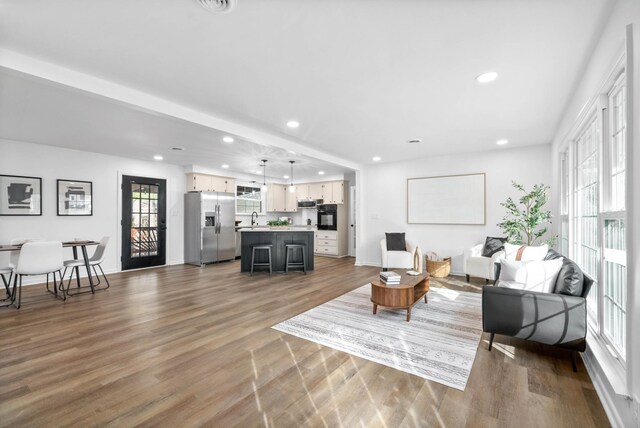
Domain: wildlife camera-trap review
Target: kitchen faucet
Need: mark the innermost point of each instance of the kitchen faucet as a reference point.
(256, 221)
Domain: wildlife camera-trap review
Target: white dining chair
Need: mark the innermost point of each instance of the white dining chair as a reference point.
(39, 258)
(96, 260)
(7, 274)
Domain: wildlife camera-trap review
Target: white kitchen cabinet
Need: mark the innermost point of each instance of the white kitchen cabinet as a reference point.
(315, 190)
(337, 192)
(276, 198)
(302, 191)
(198, 183)
(210, 183)
(333, 192)
(291, 201)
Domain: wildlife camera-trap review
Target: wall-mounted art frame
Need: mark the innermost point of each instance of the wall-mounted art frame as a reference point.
(20, 195)
(75, 198)
(449, 199)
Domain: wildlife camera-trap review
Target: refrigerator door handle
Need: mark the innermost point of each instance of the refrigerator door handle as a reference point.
(218, 225)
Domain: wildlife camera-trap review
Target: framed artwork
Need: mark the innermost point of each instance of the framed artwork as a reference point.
(20, 195)
(450, 199)
(75, 197)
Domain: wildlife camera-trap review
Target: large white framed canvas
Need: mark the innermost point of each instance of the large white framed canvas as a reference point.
(450, 199)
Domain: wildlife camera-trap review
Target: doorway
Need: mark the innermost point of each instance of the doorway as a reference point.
(144, 222)
(352, 221)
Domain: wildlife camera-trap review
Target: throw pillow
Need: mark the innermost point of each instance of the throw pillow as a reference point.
(528, 253)
(492, 245)
(570, 279)
(396, 242)
(538, 276)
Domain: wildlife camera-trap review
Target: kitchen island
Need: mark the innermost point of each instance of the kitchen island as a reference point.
(278, 238)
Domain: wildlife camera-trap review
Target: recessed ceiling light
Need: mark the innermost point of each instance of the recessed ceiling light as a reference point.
(320, 172)
(227, 139)
(259, 172)
(158, 157)
(285, 176)
(415, 141)
(502, 142)
(177, 149)
(225, 166)
(487, 77)
(293, 124)
(376, 158)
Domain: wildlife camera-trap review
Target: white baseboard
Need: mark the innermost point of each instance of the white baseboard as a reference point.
(41, 279)
(376, 264)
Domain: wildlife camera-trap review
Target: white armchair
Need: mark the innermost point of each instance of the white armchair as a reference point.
(397, 259)
(474, 264)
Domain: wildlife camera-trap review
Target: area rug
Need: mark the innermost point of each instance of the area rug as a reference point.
(439, 344)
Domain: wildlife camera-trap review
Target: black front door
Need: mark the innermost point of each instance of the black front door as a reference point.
(144, 222)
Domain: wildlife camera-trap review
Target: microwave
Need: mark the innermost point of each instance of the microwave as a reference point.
(308, 203)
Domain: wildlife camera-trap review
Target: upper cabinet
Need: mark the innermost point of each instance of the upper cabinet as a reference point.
(210, 183)
(279, 199)
(302, 191)
(333, 192)
(315, 190)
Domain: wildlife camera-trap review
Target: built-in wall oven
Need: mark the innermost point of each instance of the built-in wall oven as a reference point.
(328, 217)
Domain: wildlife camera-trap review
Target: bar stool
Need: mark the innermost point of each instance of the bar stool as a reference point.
(261, 247)
(290, 248)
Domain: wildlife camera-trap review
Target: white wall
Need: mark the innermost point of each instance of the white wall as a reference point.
(385, 198)
(52, 163)
(608, 48)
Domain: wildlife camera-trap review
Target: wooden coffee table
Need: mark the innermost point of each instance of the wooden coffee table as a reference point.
(402, 296)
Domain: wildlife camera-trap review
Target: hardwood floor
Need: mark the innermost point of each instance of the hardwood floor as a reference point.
(185, 346)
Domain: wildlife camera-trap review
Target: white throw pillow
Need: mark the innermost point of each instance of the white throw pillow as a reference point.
(529, 253)
(530, 275)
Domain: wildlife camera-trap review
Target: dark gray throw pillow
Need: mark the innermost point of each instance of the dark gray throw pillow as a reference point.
(492, 245)
(396, 242)
(570, 279)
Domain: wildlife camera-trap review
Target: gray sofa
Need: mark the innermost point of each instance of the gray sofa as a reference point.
(558, 318)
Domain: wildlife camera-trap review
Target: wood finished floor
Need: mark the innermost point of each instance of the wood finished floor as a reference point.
(184, 346)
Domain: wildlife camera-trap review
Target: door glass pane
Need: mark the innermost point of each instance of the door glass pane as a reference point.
(144, 191)
(144, 206)
(153, 248)
(135, 205)
(153, 192)
(144, 220)
(135, 191)
(153, 220)
(135, 220)
(153, 206)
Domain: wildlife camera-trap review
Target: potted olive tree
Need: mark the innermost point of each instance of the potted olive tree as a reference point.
(527, 221)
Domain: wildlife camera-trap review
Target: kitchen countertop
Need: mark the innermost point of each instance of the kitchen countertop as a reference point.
(278, 229)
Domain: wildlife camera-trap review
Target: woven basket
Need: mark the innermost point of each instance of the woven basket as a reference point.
(439, 268)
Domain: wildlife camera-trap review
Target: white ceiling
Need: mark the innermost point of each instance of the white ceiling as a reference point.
(362, 77)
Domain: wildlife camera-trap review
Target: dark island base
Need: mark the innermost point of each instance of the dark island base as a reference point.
(278, 239)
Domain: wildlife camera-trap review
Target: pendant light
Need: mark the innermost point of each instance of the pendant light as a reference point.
(292, 188)
(263, 189)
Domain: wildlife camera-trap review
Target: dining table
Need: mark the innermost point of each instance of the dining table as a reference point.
(74, 245)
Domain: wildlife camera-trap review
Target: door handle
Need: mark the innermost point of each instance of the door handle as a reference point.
(219, 224)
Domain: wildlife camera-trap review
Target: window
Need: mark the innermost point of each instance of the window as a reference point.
(564, 203)
(585, 220)
(248, 200)
(592, 210)
(614, 248)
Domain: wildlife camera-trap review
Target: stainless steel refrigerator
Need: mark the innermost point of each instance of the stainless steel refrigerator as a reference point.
(209, 227)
